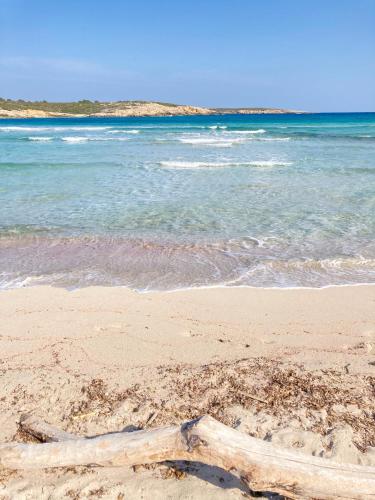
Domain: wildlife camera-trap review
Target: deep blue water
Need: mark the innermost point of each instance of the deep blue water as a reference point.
(162, 203)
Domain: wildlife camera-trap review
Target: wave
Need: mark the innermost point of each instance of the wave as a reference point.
(198, 164)
(142, 263)
(216, 140)
(258, 131)
(221, 145)
(215, 127)
(40, 139)
(75, 140)
(81, 139)
(81, 128)
(54, 129)
(100, 138)
(209, 141)
(170, 127)
(307, 272)
(124, 131)
(24, 129)
(223, 164)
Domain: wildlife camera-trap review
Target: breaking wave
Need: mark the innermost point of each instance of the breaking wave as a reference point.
(124, 131)
(259, 131)
(209, 141)
(80, 139)
(53, 129)
(160, 265)
(75, 140)
(40, 139)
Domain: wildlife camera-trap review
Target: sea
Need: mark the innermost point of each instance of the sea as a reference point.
(165, 203)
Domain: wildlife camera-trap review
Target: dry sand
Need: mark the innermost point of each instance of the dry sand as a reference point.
(293, 366)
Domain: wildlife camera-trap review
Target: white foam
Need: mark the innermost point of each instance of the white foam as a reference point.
(75, 140)
(124, 131)
(40, 139)
(175, 126)
(55, 129)
(204, 164)
(83, 128)
(209, 141)
(23, 129)
(258, 131)
(215, 127)
(79, 139)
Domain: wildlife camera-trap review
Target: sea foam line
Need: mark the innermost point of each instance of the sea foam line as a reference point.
(81, 139)
(40, 139)
(209, 141)
(55, 129)
(75, 140)
(258, 131)
(124, 131)
(223, 164)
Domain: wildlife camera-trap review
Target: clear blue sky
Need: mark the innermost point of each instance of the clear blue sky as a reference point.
(316, 55)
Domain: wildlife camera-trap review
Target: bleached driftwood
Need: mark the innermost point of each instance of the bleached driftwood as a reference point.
(262, 465)
(43, 431)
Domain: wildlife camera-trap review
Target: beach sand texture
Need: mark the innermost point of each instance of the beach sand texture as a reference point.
(296, 367)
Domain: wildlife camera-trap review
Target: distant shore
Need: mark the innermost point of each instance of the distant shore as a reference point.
(80, 109)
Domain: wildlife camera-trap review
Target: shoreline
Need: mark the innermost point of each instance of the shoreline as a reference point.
(258, 113)
(251, 287)
(185, 289)
(85, 108)
(27, 117)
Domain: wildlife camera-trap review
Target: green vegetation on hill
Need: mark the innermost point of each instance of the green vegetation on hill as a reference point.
(87, 108)
(80, 107)
(84, 106)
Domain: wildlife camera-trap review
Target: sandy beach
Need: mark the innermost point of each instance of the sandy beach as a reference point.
(295, 367)
(187, 250)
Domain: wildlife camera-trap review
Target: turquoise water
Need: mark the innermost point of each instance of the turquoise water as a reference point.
(163, 203)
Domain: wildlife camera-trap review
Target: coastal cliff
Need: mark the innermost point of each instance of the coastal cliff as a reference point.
(43, 109)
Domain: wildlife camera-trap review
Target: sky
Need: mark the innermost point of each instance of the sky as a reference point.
(313, 55)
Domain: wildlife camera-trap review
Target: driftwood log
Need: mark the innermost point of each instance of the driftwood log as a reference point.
(263, 466)
(43, 431)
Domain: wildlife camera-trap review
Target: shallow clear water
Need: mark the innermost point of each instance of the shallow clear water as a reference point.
(163, 203)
